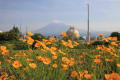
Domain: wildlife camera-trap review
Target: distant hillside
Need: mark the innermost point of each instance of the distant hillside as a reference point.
(53, 29)
(56, 29)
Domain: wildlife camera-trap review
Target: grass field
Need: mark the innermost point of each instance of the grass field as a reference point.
(63, 60)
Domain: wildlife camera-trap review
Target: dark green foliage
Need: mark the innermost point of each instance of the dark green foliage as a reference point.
(38, 36)
(100, 43)
(115, 34)
(20, 46)
(15, 30)
(65, 38)
(68, 38)
(15, 45)
(13, 34)
(4, 36)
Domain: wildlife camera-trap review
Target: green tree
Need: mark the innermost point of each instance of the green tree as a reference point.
(15, 30)
(38, 36)
(115, 34)
(13, 34)
(4, 36)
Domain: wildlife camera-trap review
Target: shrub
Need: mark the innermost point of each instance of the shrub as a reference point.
(13, 34)
(20, 46)
(38, 36)
(115, 34)
(100, 43)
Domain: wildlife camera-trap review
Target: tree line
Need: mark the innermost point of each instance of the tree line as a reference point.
(13, 34)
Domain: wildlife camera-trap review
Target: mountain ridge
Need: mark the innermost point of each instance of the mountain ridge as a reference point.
(55, 29)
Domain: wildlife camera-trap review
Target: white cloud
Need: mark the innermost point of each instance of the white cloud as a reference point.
(56, 21)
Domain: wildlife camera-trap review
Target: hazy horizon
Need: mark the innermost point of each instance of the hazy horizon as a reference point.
(35, 14)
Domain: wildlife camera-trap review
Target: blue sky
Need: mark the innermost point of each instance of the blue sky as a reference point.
(104, 14)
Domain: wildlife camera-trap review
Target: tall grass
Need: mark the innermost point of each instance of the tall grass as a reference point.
(75, 61)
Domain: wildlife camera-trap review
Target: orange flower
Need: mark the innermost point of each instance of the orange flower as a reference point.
(61, 52)
(52, 39)
(88, 76)
(75, 43)
(101, 35)
(30, 60)
(118, 65)
(25, 69)
(85, 71)
(28, 37)
(98, 47)
(109, 60)
(16, 64)
(105, 39)
(9, 61)
(30, 34)
(39, 58)
(1, 77)
(97, 56)
(71, 62)
(65, 67)
(119, 50)
(54, 57)
(71, 46)
(113, 76)
(43, 51)
(54, 65)
(81, 73)
(3, 48)
(37, 45)
(53, 52)
(30, 41)
(114, 44)
(112, 38)
(5, 52)
(68, 61)
(90, 43)
(64, 43)
(74, 74)
(46, 60)
(12, 77)
(0, 62)
(97, 60)
(115, 55)
(107, 76)
(53, 48)
(33, 65)
(65, 59)
(45, 47)
(64, 34)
